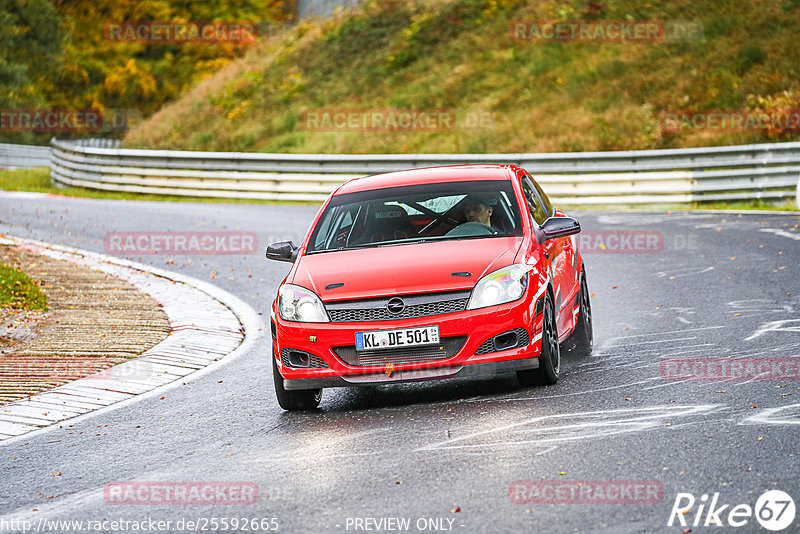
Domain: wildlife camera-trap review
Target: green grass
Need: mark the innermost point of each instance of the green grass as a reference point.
(746, 205)
(741, 206)
(38, 180)
(19, 292)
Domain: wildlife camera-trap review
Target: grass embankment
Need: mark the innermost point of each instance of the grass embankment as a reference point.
(458, 55)
(19, 292)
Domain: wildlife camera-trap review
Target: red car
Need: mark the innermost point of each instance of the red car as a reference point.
(429, 274)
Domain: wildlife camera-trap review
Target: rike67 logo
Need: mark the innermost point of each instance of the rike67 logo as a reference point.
(774, 510)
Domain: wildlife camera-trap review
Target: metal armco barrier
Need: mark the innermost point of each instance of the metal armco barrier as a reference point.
(766, 171)
(23, 156)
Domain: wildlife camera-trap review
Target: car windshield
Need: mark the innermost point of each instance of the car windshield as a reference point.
(411, 214)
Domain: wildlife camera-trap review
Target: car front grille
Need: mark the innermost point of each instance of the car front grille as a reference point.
(430, 353)
(415, 306)
(507, 340)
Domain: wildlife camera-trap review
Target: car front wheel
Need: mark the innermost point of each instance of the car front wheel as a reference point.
(581, 341)
(550, 357)
(294, 400)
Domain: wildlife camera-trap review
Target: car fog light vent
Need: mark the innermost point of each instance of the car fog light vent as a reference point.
(299, 358)
(507, 340)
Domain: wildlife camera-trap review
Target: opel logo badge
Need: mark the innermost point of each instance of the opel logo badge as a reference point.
(396, 305)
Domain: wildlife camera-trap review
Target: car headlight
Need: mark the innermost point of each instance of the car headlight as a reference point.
(299, 304)
(501, 286)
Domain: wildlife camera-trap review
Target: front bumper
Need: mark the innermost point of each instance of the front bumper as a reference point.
(483, 370)
(476, 326)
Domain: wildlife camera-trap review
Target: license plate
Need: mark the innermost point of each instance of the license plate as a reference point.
(402, 337)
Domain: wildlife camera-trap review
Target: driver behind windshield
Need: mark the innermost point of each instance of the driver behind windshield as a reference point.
(476, 209)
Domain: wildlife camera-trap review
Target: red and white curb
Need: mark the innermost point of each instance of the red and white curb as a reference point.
(209, 327)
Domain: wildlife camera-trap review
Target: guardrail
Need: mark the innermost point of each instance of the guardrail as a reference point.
(23, 156)
(766, 171)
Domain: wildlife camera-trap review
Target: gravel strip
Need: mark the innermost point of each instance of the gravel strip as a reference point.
(95, 321)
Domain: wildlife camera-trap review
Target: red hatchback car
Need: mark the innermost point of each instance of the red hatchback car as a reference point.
(428, 274)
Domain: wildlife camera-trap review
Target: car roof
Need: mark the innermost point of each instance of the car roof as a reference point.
(428, 175)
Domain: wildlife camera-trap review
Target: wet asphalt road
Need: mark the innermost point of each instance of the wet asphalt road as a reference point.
(446, 455)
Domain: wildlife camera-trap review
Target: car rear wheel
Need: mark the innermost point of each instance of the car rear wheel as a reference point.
(581, 341)
(294, 400)
(550, 358)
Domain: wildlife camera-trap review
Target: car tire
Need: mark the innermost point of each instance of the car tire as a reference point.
(550, 356)
(294, 400)
(581, 341)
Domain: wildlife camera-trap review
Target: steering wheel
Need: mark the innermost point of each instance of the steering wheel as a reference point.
(471, 228)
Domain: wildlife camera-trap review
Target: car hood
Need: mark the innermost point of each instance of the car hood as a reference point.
(404, 269)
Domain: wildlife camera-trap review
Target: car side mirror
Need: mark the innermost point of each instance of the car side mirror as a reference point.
(282, 251)
(555, 227)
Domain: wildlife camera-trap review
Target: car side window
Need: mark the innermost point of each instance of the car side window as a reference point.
(531, 198)
(548, 207)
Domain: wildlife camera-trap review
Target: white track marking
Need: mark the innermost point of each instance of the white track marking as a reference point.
(683, 272)
(561, 395)
(782, 233)
(784, 415)
(668, 332)
(648, 342)
(588, 425)
(776, 326)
